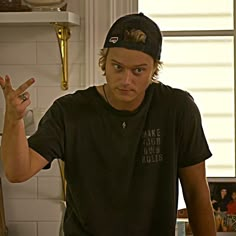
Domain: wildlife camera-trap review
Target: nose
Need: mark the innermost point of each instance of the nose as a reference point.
(127, 76)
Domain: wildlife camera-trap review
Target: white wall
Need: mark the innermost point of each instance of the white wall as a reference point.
(34, 208)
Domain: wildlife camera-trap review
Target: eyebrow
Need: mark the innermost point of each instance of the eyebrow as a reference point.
(144, 64)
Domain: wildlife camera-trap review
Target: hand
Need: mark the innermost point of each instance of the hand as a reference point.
(16, 100)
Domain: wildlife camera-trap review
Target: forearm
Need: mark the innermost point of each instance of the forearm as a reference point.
(15, 150)
(201, 217)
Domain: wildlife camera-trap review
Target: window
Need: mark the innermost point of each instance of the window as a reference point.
(198, 55)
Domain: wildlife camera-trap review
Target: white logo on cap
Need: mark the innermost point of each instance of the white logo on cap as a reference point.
(113, 39)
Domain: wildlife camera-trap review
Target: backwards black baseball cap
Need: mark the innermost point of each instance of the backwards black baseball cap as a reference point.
(151, 46)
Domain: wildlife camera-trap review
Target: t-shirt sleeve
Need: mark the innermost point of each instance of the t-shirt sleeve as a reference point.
(193, 146)
(48, 140)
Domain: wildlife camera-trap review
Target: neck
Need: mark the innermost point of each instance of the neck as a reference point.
(121, 105)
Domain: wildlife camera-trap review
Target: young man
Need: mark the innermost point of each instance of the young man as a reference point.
(125, 144)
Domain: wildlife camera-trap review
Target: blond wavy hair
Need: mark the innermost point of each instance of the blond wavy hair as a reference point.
(135, 36)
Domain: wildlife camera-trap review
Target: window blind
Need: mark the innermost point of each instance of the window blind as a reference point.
(198, 56)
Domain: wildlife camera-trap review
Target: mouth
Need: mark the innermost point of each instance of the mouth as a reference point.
(124, 90)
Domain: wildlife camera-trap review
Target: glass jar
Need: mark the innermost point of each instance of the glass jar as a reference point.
(46, 5)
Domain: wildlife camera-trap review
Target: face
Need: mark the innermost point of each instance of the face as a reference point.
(128, 74)
(223, 192)
(234, 195)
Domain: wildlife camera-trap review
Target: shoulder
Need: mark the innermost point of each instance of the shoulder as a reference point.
(77, 98)
(172, 96)
(167, 90)
(79, 95)
(73, 102)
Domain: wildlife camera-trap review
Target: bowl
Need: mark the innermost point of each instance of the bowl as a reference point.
(45, 5)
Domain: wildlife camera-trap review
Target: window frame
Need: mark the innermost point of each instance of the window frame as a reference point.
(207, 33)
(97, 24)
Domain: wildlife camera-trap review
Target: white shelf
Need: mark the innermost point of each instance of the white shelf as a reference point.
(62, 20)
(40, 18)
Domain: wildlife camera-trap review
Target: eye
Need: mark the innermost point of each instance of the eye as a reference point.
(138, 70)
(117, 67)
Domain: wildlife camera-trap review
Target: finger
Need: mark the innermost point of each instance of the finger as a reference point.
(24, 104)
(7, 85)
(21, 89)
(21, 108)
(8, 82)
(2, 83)
(23, 97)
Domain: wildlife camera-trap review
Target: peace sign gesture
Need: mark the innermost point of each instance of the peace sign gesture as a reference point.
(16, 100)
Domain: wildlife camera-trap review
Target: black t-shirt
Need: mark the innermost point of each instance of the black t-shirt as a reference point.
(122, 167)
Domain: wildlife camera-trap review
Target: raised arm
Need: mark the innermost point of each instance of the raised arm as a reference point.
(197, 198)
(19, 161)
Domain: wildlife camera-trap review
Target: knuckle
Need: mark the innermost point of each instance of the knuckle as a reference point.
(22, 87)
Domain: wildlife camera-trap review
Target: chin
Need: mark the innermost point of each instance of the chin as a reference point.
(126, 99)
